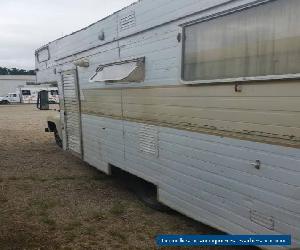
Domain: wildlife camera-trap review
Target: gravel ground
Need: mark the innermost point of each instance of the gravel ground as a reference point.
(51, 200)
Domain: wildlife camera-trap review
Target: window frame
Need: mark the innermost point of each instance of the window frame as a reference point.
(221, 14)
(54, 92)
(28, 91)
(39, 51)
(138, 60)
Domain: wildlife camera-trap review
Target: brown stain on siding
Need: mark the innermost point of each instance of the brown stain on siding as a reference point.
(262, 112)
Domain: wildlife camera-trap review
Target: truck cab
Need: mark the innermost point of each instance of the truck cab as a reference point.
(10, 98)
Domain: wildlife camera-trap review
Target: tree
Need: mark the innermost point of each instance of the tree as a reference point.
(15, 71)
(3, 71)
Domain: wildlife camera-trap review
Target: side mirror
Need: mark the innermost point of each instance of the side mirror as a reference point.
(43, 100)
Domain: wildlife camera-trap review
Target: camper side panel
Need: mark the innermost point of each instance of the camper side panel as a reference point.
(209, 178)
(225, 157)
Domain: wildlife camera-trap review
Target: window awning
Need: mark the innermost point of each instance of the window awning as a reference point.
(126, 71)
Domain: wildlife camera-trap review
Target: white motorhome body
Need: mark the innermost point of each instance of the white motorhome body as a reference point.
(200, 98)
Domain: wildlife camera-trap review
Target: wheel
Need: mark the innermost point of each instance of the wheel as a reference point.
(5, 102)
(58, 140)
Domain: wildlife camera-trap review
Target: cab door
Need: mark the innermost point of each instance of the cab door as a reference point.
(14, 98)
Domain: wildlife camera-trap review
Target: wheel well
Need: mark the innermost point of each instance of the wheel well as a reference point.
(130, 178)
(51, 126)
(145, 191)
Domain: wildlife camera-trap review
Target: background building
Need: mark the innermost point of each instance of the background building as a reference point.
(9, 83)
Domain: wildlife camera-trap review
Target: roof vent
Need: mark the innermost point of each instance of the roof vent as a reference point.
(128, 21)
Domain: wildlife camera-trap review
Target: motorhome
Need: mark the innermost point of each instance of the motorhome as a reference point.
(29, 94)
(200, 98)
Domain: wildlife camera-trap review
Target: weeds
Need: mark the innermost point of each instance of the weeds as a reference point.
(97, 216)
(118, 208)
(43, 204)
(3, 198)
(12, 178)
(117, 235)
(89, 231)
(73, 225)
(48, 221)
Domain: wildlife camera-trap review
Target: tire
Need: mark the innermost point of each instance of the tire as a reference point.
(58, 140)
(5, 102)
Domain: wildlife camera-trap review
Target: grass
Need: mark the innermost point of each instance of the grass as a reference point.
(3, 198)
(70, 236)
(73, 225)
(48, 221)
(117, 235)
(101, 177)
(56, 178)
(118, 208)
(89, 230)
(97, 216)
(12, 178)
(55, 207)
(43, 204)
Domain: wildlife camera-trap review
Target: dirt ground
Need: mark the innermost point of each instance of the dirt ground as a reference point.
(51, 200)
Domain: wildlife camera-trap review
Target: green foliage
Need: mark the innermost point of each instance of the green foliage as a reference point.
(15, 71)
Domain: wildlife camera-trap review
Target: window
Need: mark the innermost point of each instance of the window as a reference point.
(54, 92)
(120, 72)
(43, 55)
(255, 42)
(14, 95)
(26, 92)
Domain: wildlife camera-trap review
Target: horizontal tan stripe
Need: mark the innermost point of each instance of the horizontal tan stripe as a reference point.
(262, 112)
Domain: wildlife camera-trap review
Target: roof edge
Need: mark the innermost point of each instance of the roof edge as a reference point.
(84, 28)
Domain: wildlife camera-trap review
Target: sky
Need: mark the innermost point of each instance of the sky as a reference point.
(27, 25)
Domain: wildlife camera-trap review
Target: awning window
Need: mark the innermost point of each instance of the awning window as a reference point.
(126, 71)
